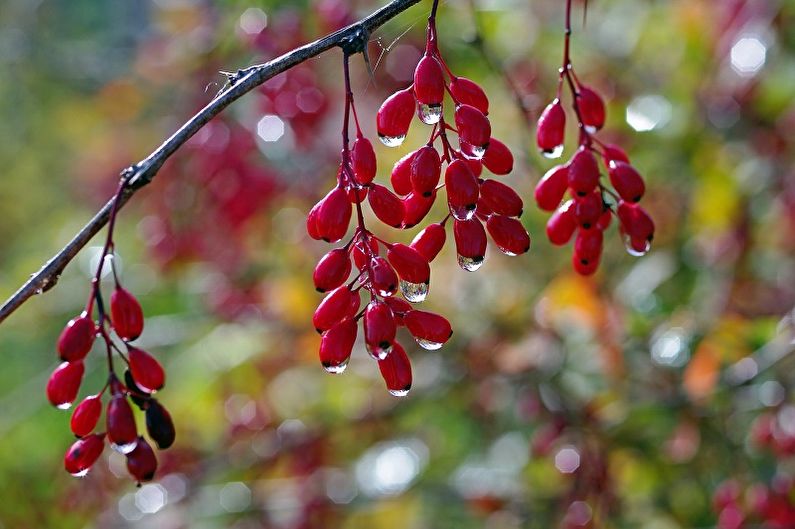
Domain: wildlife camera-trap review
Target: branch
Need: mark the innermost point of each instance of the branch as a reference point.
(142, 173)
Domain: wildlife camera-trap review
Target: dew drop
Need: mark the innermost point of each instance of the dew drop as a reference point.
(379, 353)
(476, 152)
(430, 114)
(470, 264)
(414, 292)
(399, 392)
(392, 141)
(64, 406)
(384, 293)
(507, 252)
(462, 213)
(590, 129)
(80, 474)
(631, 250)
(337, 369)
(124, 449)
(427, 344)
(557, 152)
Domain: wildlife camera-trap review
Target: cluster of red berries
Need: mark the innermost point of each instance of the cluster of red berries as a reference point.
(143, 377)
(589, 210)
(771, 504)
(415, 181)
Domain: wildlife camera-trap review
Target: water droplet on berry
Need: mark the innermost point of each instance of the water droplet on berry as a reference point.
(476, 152)
(590, 129)
(399, 392)
(337, 369)
(64, 406)
(427, 344)
(508, 252)
(633, 249)
(379, 353)
(430, 114)
(470, 264)
(557, 152)
(384, 293)
(462, 213)
(414, 292)
(81, 474)
(392, 141)
(124, 449)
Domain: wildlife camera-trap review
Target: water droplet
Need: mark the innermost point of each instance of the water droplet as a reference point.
(337, 369)
(392, 141)
(379, 353)
(64, 406)
(427, 344)
(399, 392)
(125, 448)
(384, 293)
(462, 213)
(39, 291)
(590, 129)
(476, 152)
(557, 152)
(80, 474)
(414, 292)
(430, 114)
(470, 264)
(632, 250)
(507, 252)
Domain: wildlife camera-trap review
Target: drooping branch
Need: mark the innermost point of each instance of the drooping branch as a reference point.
(142, 173)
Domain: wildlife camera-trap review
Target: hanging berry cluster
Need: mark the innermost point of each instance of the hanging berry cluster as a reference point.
(415, 180)
(142, 378)
(589, 211)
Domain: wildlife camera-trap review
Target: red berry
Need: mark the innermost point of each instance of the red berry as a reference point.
(500, 198)
(583, 172)
(429, 329)
(508, 234)
(614, 153)
(363, 160)
(429, 82)
(416, 207)
(361, 256)
(604, 219)
(635, 221)
(379, 329)
(470, 243)
(332, 309)
(336, 345)
(356, 193)
(561, 225)
(498, 158)
(142, 462)
(592, 108)
(64, 383)
(126, 314)
(396, 371)
(394, 117)
(584, 267)
(76, 339)
(311, 222)
(159, 425)
(86, 416)
(334, 215)
(120, 422)
(332, 270)
(146, 370)
(83, 453)
(463, 189)
(386, 205)
(409, 264)
(426, 169)
(470, 93)
(588, 245)
(400, 308)
(551, 129)
(551, 188)
(401, 174)
(383, 276)
(588, 209)
(473, 127)
(430, 241)
(626, 180)
(476, 166)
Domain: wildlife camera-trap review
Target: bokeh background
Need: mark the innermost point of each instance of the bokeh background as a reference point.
(622, 400)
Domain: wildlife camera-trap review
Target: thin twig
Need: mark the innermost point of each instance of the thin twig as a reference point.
(142, 173)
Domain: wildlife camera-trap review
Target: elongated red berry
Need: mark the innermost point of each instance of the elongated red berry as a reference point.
(64, 383)
(552, 187)
(120, 423)
(583, 172)
(332, 309)
(562, 223)
(363, 160)
(400, 307)
(429, 85)
(430, 330)
(635, 220)
(336, 345)
(332, 270)
(473, 127)
(605, 219)
(592, 108)
(551, 129)
(383, 277)
(508, 234)
(470, 93)
(142, 462)
(386, 205)
(584, 267)
(498, 158)
(588, 245)
(311, 222)
(500, 198)
(126, 314)
(159, 425)
(415, 208)
(396, 371)
(363, 251)
(356, 193)
(83, 453)
(470, 243)
(430, 241)
(426, 170)
(394, 117)
(86, 416)
(401, 174)
(76, 339)
(626, 181)
(613, 153)
(463, 189)
(409, 264)
(146, 370)
(476, 166)
(334, 215)
(379, 329)
(588, 209)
